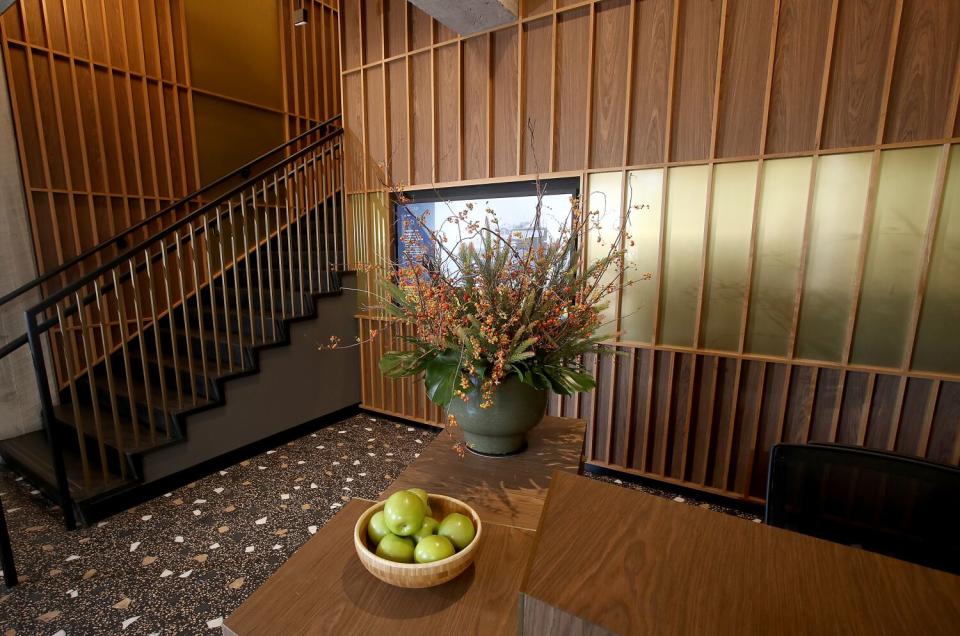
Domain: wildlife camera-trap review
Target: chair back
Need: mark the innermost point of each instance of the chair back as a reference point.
(900, 506)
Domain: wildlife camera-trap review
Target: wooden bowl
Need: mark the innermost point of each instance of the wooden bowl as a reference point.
(418, 575)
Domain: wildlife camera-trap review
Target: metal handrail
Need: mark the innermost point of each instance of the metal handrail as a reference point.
(108, 286)
(51, 300)
(39, 319)
(117, 238)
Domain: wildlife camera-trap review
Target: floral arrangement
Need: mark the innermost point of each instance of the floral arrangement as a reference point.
(493, 303)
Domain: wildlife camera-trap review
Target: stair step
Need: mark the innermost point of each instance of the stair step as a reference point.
(138, 391)
(296, 303)
(128, 440)
(300, 270)
(136, 428)
(211, 343)
(171, 369)
(264, 329)
(29, 454)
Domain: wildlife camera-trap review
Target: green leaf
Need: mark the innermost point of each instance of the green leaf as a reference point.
(441, 377)
(576, 381)
(394, 310)
(517, 357)
(395, 292)
(523, 346)
(400, 364)
(540, 380)
(567, 381)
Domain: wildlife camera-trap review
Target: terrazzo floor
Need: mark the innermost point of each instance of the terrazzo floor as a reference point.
(684, 499)
(181, 563)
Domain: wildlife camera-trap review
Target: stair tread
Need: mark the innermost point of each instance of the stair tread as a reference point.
(139, 390)
(127, 440)
(197, 364)
(31, 453)
(139, 393)
(266, 326)
(208, 336)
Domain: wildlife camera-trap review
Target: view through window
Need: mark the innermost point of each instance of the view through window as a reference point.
(513, 206)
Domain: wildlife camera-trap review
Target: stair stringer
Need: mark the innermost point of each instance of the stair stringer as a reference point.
(294, 384)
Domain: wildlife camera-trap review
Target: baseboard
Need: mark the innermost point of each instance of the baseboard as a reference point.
(396, 417)
(145, 492)
(693, 493)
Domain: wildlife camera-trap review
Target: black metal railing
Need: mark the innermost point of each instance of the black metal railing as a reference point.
(164, 215)
(230, 262)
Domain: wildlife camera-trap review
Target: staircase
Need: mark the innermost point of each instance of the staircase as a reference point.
(141, 346)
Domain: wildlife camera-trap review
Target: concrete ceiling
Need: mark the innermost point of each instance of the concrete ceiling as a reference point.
(470, 16)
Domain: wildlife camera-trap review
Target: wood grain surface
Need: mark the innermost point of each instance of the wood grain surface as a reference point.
(633, 563)
(505, 490)
(324, 589)
(103, 96)
(621, 85)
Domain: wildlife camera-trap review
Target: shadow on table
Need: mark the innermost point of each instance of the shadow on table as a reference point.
(371, 595)
(507, 489)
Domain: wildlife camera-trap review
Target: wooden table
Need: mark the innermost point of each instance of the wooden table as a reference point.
(507, 490)
(608, 559)
(323, 589)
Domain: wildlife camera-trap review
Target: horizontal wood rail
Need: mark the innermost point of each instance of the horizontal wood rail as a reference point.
(707, 420)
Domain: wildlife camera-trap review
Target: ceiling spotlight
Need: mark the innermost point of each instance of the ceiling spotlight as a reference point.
(300, 17)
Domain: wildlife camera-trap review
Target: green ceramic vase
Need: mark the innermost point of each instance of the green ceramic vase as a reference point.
(501, 428)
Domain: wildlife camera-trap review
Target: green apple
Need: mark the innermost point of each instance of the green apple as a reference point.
(433, 548)
(458, 528)
(394, 548)
(377, 527)
(420, 492)
(424, 497)
(428, 528)
(404, 513)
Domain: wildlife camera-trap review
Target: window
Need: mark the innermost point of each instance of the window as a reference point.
(513, 203)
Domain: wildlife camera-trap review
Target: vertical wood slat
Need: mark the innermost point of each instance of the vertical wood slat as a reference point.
(926, 252)
(792, 377)
(688, 417)
(805, 245)
(664, 424)
(116, 99)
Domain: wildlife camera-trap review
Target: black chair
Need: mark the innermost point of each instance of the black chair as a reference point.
(900, 506)
(6, 552)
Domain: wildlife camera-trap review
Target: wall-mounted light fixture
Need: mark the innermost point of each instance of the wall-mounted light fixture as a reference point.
(300, 17)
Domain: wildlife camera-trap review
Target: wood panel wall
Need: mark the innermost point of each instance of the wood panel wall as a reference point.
(575, 88)
(594, 85)
(103, 105)
(311, 65)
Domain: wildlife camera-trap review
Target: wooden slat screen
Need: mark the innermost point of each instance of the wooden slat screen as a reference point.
(103, 105)
(704, 90)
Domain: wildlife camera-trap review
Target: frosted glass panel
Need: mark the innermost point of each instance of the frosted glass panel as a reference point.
(783, 205)
(837, 222)
(734, 188)
(938, 346)
(645, 190)
(605, 198)
(686, 208)
(893, 255)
